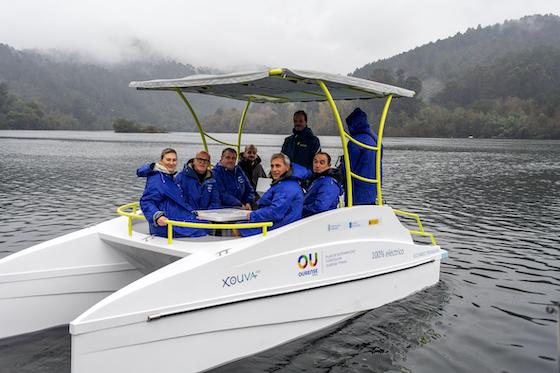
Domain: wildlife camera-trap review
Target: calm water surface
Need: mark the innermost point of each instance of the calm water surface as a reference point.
(494, 204)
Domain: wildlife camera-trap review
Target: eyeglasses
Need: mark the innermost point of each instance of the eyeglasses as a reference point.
(202, 160)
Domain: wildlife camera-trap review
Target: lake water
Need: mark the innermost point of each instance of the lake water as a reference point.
(493, 204)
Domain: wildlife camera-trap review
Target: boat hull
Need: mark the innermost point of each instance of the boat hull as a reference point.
(198, 340)
(52, 283)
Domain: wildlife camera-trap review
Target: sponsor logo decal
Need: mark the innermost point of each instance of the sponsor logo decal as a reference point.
(239, 279)
(353, 224)
(308, 264)
(334, 227)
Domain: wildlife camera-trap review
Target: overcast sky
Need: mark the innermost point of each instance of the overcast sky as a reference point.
(325, 35)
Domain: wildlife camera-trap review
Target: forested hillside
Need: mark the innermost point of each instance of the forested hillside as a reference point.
(497, 81)
(40, 91)
(449, 58)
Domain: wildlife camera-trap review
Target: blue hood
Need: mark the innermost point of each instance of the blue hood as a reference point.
(296, 172)
(299, 172)
(357, 122)
(146, 170)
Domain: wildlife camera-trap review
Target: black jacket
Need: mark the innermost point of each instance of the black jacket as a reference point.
(301, 147)
(253, 169)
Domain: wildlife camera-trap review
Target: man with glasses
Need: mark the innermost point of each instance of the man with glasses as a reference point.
(234, 187)
(198, 184)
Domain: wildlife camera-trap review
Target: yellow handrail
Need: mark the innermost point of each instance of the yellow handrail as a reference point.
(359, 143)
(130, 216)
(421, 231)
(373, 181)
(170, 223)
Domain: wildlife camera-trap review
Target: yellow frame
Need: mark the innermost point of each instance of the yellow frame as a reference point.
(419, 232)
(171, 223)
(204, 134)
(344, 136)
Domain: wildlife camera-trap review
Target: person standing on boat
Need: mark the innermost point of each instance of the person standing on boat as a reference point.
(325, 189)
(302, 145)
(198, 184)
(362, 160)
(163, 199)
(234, 187)
(250, 163)
(283, 202)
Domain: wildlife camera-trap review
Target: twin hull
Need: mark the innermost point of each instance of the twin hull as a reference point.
(218, 301)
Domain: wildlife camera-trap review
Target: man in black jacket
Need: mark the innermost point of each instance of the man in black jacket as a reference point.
(302, 145)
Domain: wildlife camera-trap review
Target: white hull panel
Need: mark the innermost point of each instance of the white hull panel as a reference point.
(199, 340)
(52, 283)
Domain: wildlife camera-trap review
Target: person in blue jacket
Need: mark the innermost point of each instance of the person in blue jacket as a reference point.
(362, 160)
(198, 184)
(283, 202)
(163, 200)
(302, 145)
(234, 187)
(322, 194)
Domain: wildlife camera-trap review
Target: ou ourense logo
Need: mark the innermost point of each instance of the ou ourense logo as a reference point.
(309, 260)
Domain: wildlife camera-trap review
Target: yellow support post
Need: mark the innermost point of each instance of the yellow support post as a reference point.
(197, 122)
(130, 226)
(378, 152)
(169, 233)
(241, 123)
(342, 138)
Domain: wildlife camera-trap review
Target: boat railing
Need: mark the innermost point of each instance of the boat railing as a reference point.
(420, 231)
(124, 210)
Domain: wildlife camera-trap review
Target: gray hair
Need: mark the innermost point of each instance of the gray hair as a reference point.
(282, 156)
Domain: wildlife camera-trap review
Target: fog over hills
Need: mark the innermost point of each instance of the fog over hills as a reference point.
(497, 81)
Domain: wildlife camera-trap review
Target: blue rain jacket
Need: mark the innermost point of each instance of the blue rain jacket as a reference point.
(301, 147)
(234, 188)
(162, 197)
(322, 194)
(282, 204)
(197, 195)
(362, 161)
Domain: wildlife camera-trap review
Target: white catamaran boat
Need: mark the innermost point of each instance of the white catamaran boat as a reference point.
(141, 303)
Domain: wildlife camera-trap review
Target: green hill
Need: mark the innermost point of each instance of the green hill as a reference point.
(497, 81)
(49, 91)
